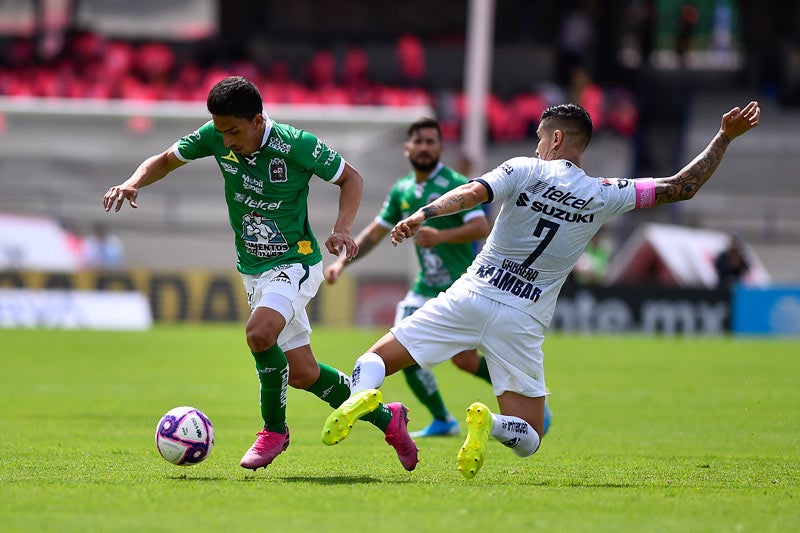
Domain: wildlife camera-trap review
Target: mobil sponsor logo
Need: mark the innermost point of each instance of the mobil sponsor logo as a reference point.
(254, 184)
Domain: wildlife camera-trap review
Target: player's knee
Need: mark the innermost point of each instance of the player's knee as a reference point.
(260, 339)
(467, 361)
(461, 363)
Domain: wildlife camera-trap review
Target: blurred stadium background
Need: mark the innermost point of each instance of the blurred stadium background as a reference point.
(89, 88)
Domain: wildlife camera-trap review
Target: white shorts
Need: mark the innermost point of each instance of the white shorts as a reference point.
(459, 320)
(287, 289)
(408, 305)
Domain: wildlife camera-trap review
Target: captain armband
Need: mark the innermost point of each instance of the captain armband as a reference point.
(645, 192)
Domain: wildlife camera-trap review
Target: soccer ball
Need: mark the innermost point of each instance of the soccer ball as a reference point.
(184, 436)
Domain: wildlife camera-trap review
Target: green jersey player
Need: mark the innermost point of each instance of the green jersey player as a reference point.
(445, 248)
(266, 169)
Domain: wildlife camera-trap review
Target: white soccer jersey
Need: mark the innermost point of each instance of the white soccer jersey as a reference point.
(550, 211)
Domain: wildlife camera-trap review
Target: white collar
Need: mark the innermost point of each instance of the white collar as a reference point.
(267, 127)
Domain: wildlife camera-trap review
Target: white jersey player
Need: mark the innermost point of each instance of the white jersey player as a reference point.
(551, 210)
(504, 302)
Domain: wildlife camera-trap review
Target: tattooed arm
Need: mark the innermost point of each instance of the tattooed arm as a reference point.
(455, 200)
(685, 183)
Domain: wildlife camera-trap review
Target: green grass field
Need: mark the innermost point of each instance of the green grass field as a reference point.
(649, 434)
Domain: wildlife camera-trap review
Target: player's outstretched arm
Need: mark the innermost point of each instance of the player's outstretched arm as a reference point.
(150, 171)
(351, 186)
(684, 184)
(455, 200)
(365, 241)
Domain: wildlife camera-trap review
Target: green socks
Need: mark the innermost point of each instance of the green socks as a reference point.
(273, 375)
(333, 387)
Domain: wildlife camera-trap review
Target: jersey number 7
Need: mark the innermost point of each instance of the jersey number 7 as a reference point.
(550, 228)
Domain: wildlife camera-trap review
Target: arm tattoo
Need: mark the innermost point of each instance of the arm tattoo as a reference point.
(688, 181)
(443, 206)
(429, 211)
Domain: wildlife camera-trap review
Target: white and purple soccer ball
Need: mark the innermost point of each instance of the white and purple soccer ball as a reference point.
(184, 436)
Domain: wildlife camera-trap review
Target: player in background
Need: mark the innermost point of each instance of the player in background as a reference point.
(266, 169)
(550, 210)
(445, 247)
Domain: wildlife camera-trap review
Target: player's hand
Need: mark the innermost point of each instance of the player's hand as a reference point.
(407, 228)
(333, 271)
(427, 236)
(738, 121)
(118, 194)
(338, 241)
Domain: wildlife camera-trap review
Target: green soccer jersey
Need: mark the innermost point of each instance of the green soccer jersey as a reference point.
(440, 265)
(267, 192)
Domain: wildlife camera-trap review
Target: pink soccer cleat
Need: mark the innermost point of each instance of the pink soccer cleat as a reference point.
(265, 449)
(398, 438)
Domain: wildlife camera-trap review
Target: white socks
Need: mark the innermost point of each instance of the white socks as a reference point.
(516, 434)
(369, 373)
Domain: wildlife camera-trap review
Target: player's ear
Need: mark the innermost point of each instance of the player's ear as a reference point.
(558, 138)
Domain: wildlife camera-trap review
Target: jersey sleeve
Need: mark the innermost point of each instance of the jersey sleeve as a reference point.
(196, 144)
(619, 195)
(503, 180)
(315, 155)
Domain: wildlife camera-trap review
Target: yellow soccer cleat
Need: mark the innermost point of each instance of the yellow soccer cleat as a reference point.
(479, 427)
(340, 421)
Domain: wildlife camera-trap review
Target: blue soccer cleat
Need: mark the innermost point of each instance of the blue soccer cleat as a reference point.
(439, 428)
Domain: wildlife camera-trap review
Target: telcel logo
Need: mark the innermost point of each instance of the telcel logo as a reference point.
(257, 203)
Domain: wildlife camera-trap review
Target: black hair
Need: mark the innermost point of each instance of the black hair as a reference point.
(235, 96)
(572, 119)
(425, 122)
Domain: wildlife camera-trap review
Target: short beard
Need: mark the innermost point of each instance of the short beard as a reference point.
(423, 167)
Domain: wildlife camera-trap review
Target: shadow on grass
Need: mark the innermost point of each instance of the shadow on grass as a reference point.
(186, 477)
(319, 480)
(332, 480)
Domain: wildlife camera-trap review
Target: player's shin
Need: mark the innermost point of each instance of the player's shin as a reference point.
(273, 375)
(369, 373)
(515, 433)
